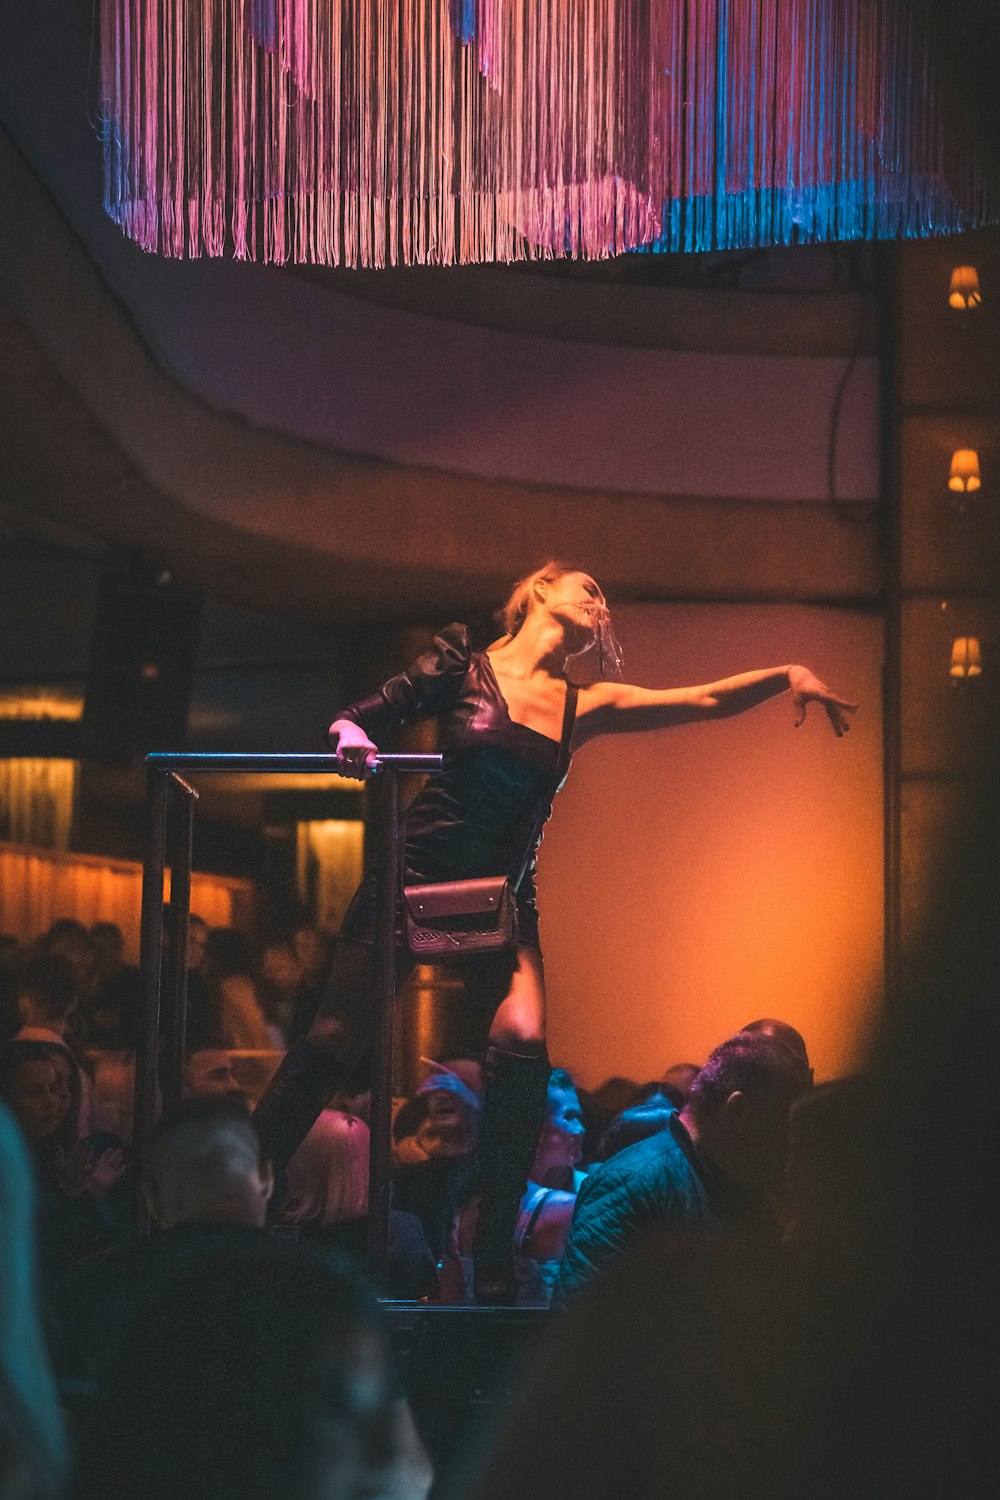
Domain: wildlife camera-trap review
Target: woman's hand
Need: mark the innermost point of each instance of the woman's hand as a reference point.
(807, 688)
(75, 1169)
(106, 1172)
(81, 1172)
(355, 751)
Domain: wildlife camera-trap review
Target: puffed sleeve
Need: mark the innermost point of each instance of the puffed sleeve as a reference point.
(428, 687)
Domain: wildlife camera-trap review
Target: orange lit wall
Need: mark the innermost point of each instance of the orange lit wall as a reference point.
(695, 879)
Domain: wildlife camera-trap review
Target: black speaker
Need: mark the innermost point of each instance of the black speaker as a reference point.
(142, 658)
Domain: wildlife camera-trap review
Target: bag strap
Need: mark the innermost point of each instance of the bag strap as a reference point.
(562, 766)
(524, 1238)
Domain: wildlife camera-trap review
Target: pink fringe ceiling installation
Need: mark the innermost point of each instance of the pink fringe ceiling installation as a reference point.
(387, 132)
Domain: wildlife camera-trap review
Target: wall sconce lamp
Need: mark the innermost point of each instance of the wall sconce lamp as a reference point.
(965, 478)
(964, 293)
(966, 659)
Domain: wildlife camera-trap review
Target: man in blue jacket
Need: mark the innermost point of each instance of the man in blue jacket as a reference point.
(711, 1168)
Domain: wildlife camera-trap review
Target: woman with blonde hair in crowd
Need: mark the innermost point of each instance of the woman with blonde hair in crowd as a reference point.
(327, 1200)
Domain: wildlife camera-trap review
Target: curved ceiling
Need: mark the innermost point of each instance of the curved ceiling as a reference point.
(340, 451)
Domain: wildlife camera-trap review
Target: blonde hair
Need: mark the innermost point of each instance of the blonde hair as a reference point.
(522, 597)
(518, 606)
(328, 1174)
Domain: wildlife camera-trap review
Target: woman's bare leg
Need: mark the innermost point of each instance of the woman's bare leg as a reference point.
(519, 1022)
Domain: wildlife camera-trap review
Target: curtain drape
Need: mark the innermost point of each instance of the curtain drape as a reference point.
(37, 801)
(39, 885)
(329, 865)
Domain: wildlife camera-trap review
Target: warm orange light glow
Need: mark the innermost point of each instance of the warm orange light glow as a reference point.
(740, 861)
(37, 798)
(39, 885)
(965, 476)
(966, 658)
(964, 293)
(284, 781)
(39, 705)
(329, 865)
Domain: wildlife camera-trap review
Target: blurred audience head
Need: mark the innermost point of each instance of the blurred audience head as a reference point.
(787, 1036)
(33, 1448)
(279, 967)
(614, 1095)
(827, 1175)
(560, 1144)
(227, 952)
(36, 1092)
(677, 1080)
(328, 1174)
(737, 1108)
(208, 1074)
(197, 941)
(312, 951)
(69, 939)
(205, 1166)
(109, 946)
(112, 1093)
(453, 1110)
(70, 1091)
(269, 1379)
(636, 1124)
(50, 990)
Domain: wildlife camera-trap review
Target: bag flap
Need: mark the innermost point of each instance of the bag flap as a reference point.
(454, 898)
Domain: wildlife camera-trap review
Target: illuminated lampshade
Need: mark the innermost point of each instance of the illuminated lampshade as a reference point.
(966, 658)
(964, 293)
(965, 476)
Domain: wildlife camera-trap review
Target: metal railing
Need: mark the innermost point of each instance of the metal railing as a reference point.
(170, 805)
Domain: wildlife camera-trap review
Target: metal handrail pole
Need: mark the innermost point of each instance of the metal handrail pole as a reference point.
(303, 762)
(151, 966)
(183, 797)
(386, 887)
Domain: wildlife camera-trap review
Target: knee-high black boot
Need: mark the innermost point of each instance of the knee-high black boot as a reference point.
(513, 1114)
(290, 1105)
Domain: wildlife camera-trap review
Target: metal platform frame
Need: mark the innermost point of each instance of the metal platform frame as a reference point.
(170, 809)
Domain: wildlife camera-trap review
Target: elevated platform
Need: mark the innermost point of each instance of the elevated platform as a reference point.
(461, 1367)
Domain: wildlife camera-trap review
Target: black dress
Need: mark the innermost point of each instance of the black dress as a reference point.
(477, 816)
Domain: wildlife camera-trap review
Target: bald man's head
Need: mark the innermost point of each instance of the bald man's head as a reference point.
(780, 1031)
(205, 1166)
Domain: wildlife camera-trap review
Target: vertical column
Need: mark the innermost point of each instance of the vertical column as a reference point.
(151, 965)
(947, 422)
(175, 986)
(385, 992)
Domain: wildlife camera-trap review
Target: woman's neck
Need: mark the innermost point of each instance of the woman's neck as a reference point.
(539, 646)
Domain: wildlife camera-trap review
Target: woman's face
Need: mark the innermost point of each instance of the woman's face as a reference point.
(35, 1096)
(577, 602)
(561, 1141)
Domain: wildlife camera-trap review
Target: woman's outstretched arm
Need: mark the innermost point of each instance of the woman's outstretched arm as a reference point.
(620, 708)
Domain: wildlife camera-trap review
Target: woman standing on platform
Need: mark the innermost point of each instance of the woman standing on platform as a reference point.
(510, 722)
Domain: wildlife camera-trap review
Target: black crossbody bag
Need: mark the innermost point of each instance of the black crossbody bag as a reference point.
(457, 918)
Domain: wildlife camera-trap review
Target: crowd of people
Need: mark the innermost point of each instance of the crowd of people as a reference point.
(239, 1349)
(70, 1016)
